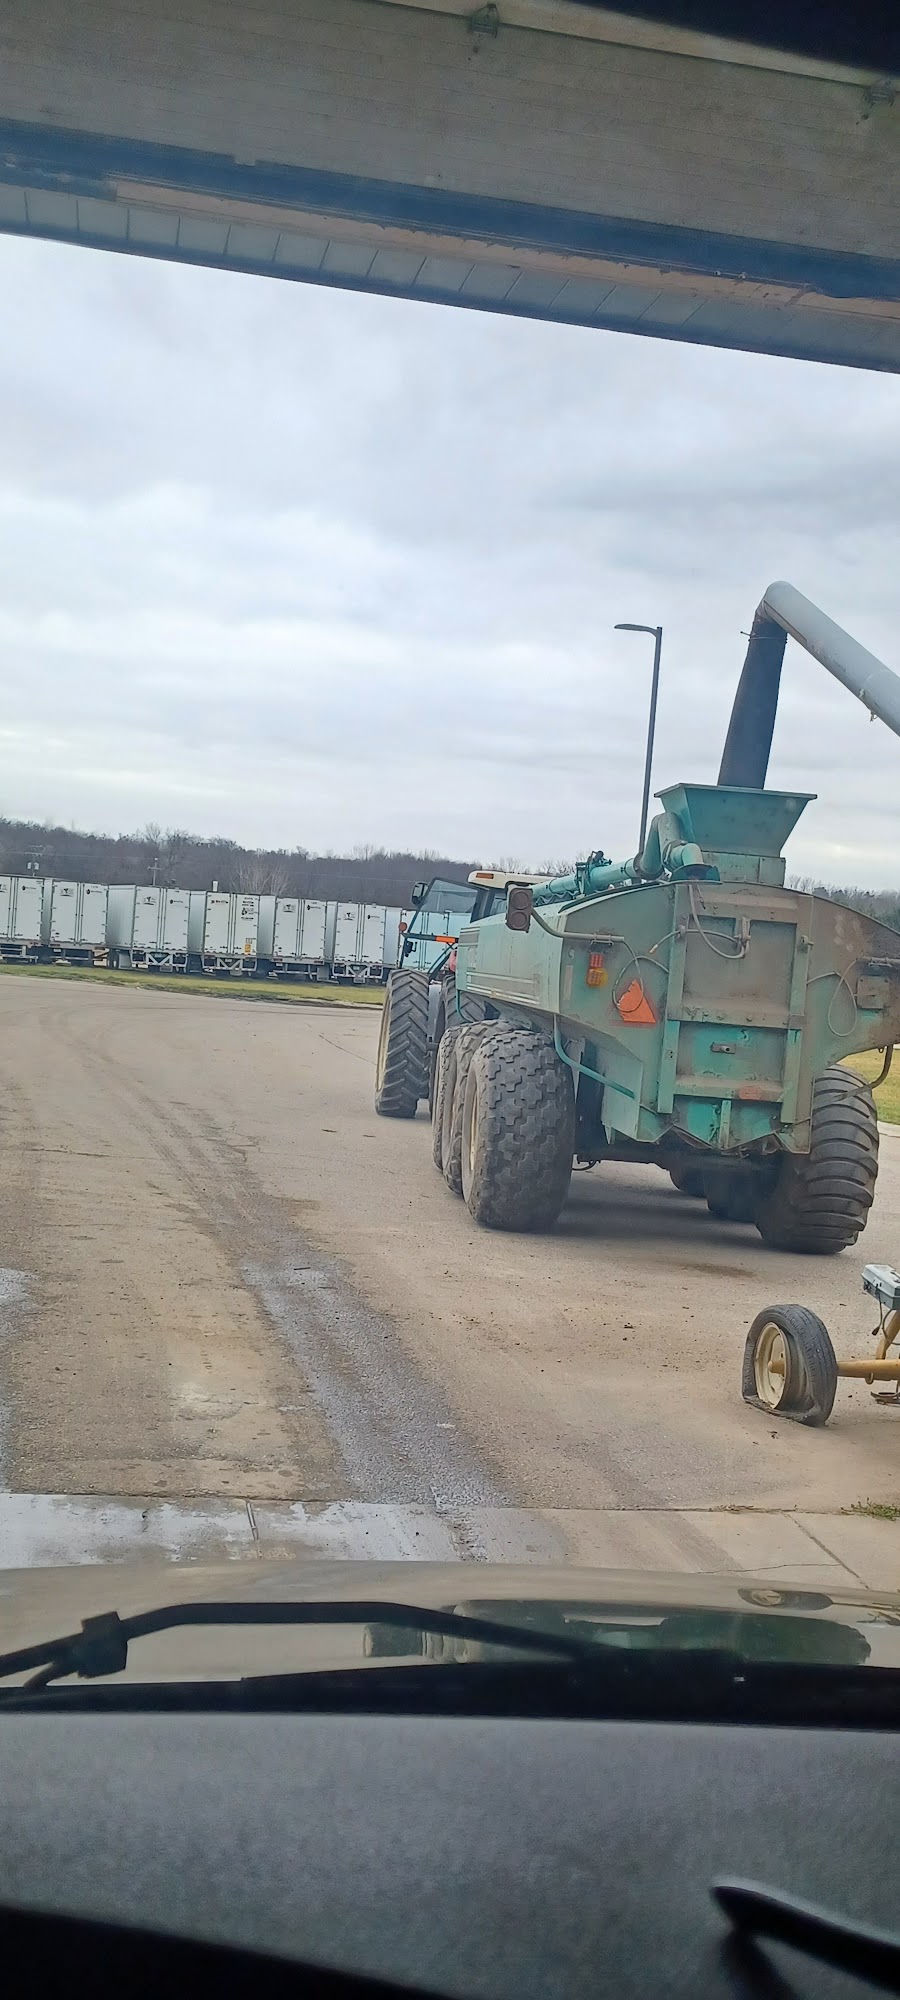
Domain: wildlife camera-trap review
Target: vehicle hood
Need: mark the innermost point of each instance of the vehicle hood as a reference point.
(39, 1604)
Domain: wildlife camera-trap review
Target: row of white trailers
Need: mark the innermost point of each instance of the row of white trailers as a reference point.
(200, 930)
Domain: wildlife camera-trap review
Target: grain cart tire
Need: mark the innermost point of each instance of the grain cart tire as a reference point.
(401, 1065)
(688, 1180)
(821, 1199)
(518, 1131)
(454, 1104)
(790, 1366)
(732, 1197)
(444, 1074)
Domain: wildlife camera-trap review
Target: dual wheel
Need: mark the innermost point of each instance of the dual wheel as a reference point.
(503, 1124)
(790, 1366)
(815, 1202)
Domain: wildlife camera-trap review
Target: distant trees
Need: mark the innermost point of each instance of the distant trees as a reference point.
(882, 904)
(177, 859)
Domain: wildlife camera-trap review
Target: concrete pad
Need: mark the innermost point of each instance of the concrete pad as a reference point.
(354, 1531)
(870, 1550)
(50, 1530)
(56, 1530)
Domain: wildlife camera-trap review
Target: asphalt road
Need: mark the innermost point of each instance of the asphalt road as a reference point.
(224, 1276)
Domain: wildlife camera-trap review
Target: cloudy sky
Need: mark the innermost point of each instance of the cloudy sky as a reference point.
(304, 567)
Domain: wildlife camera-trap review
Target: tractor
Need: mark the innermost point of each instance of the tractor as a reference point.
(682, 1008)
(421, 1001)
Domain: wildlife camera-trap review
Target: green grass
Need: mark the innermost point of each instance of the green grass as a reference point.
(875, 1510)
(312, 993)
(887, 1097)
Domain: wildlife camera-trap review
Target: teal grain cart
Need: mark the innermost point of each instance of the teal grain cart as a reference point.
(683, 1007)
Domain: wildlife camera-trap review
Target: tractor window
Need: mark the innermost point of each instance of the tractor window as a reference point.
(444, 899)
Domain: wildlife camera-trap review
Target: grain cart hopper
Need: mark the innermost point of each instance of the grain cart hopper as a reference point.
(684, 1007)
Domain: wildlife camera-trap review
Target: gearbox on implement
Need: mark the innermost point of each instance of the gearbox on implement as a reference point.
(682, 1007)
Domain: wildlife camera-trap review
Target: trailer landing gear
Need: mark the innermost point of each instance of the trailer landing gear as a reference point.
(790, 1366)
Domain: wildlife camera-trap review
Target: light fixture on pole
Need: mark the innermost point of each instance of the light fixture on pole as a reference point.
(656, 632)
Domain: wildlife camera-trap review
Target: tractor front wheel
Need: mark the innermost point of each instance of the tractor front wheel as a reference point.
(518, 1131)
(401, 1065)
(820, 1201)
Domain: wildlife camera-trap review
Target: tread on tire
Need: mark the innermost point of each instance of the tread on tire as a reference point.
(518, 1131)
(401, 1067)
(820, 1201)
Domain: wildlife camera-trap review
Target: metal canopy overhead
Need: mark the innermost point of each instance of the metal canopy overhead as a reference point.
(548, 158)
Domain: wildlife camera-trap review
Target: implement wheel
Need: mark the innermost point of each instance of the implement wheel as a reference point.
(688, 1180)
(821, 1199)
(790, 1366)
(454, 1104)
(401, 1065)
(518, 1131)
(444, 1075)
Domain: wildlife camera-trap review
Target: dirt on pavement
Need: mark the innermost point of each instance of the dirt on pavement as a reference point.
(224, 1275)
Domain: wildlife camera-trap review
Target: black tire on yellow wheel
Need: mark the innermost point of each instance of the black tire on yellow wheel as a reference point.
(401, 1064)
(790, 1366)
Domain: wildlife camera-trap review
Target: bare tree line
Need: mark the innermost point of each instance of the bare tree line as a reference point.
(177, 859)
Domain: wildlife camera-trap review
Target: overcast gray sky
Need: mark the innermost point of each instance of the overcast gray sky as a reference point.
(305, 567)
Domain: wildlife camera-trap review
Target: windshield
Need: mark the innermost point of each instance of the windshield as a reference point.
(545, 1225)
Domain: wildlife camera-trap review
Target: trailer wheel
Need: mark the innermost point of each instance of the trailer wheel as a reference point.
(790, 1366)
(688, 1180)
(454, 1104)
(518, 1131)
(401, 1065)
(821, 1199)
(732, 1196)
(445, 1071)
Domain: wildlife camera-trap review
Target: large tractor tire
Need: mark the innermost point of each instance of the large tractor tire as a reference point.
(732, 1196)
(454, 1103)
(688, 1180)
(518, 1131)
(820, 1201)
(401, 1065)
(442, 1094)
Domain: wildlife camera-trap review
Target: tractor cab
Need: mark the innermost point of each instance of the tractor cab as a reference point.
(443, 908)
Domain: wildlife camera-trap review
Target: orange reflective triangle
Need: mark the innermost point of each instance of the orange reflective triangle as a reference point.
(635, 1008)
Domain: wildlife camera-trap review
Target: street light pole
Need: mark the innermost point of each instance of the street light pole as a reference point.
(656, 632)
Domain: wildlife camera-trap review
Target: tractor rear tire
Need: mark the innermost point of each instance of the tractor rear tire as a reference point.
(820, 1201)
(401, 1065)
(518, 1131)
(688, 1180)
(445, 1072)
(454, 1104)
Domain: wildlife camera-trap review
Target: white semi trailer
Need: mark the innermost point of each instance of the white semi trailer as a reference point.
(148, 927)
(292, 936)
(230, 933)
(24, 916)
(77, 929)
(355, 940)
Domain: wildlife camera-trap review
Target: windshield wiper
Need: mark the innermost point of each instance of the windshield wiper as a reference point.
(101, 1647)
(757, 1912)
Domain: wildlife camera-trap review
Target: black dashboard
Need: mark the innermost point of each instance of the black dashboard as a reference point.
(509, 1860)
